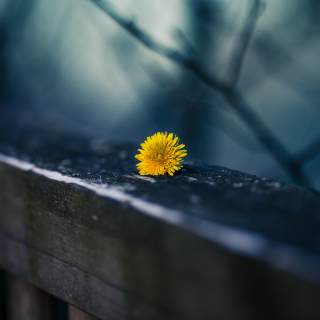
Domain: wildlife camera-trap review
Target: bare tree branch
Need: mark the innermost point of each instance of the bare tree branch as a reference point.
(241, 45)
(309, 153)
(149, 42)
(278, 62)
(266, 138)
(234, 98)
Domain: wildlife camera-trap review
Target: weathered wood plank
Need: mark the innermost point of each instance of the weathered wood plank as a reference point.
(28, 302)
(207, 243)
(76, 314)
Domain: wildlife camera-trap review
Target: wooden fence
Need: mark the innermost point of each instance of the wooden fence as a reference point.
(79, 224)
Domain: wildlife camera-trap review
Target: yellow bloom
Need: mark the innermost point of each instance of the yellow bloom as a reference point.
(160, 154)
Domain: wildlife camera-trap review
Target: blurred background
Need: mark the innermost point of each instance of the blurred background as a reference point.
(66, 65)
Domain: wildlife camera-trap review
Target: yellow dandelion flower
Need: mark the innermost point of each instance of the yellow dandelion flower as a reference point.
(160, 154)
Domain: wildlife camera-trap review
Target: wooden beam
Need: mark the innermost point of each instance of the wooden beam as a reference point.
(77, 221)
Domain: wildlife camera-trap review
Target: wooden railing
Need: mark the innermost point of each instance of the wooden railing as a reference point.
(78, 224)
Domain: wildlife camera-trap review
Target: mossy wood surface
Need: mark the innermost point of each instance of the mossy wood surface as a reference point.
(207, 243)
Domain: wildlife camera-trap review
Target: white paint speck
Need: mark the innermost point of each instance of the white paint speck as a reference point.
(149, 179)
(123, 154)
(194, 199)
(274, 184)
(65, 162)
(124, 187)
(238, 185)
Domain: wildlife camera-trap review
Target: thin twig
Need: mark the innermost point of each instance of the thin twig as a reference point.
(234, 98)
(149, 42)
(309, 153)
(241, 45)
(266, 138)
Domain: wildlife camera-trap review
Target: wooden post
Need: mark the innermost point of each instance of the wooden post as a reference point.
(76, 314)
(28, 302)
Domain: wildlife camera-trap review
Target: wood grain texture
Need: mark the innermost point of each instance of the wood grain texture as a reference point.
(208, 243)
(28, 302)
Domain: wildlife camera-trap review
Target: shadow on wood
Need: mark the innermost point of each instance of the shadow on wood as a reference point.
(76, 314)
(28, 302)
